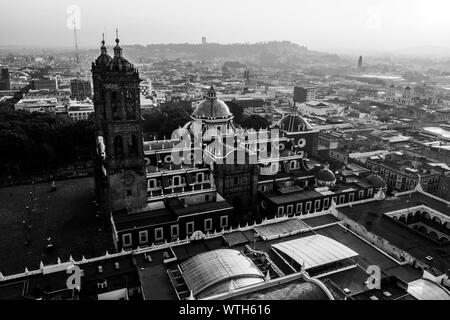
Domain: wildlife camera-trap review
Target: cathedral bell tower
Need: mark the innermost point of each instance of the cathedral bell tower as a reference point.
(118, 122)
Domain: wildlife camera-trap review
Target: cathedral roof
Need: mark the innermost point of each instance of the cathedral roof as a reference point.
(376, 181)
(104, 58)
(294, 123)
(212, 107)
(325, 174)
(119, 63)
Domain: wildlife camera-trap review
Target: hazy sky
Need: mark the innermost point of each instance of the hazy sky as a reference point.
(319, 24)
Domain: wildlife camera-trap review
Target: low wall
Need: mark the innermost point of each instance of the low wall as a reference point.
(401, 256)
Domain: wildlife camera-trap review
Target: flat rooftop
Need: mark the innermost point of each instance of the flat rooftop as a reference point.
(280, 198)
(67, 215)
(371, 216)
(155, 272)
(125, 221)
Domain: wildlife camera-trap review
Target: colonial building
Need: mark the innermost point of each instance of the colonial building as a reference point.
(403, 173)
(209, 176)
(406, 98)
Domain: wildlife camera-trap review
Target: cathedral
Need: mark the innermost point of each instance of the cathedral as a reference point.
(209, 176)
(405, 99)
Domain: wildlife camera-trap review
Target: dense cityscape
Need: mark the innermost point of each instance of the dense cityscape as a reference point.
(208, 171)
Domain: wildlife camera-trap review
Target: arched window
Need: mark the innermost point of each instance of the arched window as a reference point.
(118, 145)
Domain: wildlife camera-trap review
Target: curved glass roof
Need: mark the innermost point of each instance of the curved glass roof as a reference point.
(219, 271)
(314, 251)
(424, 289)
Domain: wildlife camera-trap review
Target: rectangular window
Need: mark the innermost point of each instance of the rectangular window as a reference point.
(143, 237)
(361, 194)
(208, 225)
(236, 180)
(207, 198)
(159, 234)
(152, 184)
(127, 240)
(290, 210)
(317, 205)
(308, 206)
(224, 222)
(341, 199)
(280, 212)
(174, 231)
(299, 208)
(326, 203)
(189, 228)
(351, 197)
(292, 165)
(369, 192)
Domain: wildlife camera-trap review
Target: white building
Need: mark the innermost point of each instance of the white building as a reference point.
(37, 105)
(80, 110)
(404, 99)
(318, 108)
(311, 94)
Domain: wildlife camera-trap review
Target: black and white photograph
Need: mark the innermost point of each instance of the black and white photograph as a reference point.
(225, 156)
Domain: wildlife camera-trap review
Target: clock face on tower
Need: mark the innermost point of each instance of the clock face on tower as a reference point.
(128, 179)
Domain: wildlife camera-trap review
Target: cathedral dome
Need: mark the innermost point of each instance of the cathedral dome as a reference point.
(211, 107)
(376, 181)
(294, 123)
(325, 175)
(119, 63)
(104, 58)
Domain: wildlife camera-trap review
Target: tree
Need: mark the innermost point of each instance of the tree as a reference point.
(237, 110)
(173, 119)
(162, 124)
(37, 141)
(255, 122)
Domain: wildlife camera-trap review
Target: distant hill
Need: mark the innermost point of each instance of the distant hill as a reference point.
(272, 53)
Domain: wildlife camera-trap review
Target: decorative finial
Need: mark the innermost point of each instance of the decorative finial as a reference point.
(211, 92)
(117, 48)
(103, 47)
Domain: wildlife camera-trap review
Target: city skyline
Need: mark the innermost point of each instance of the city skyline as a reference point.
(242, 152)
